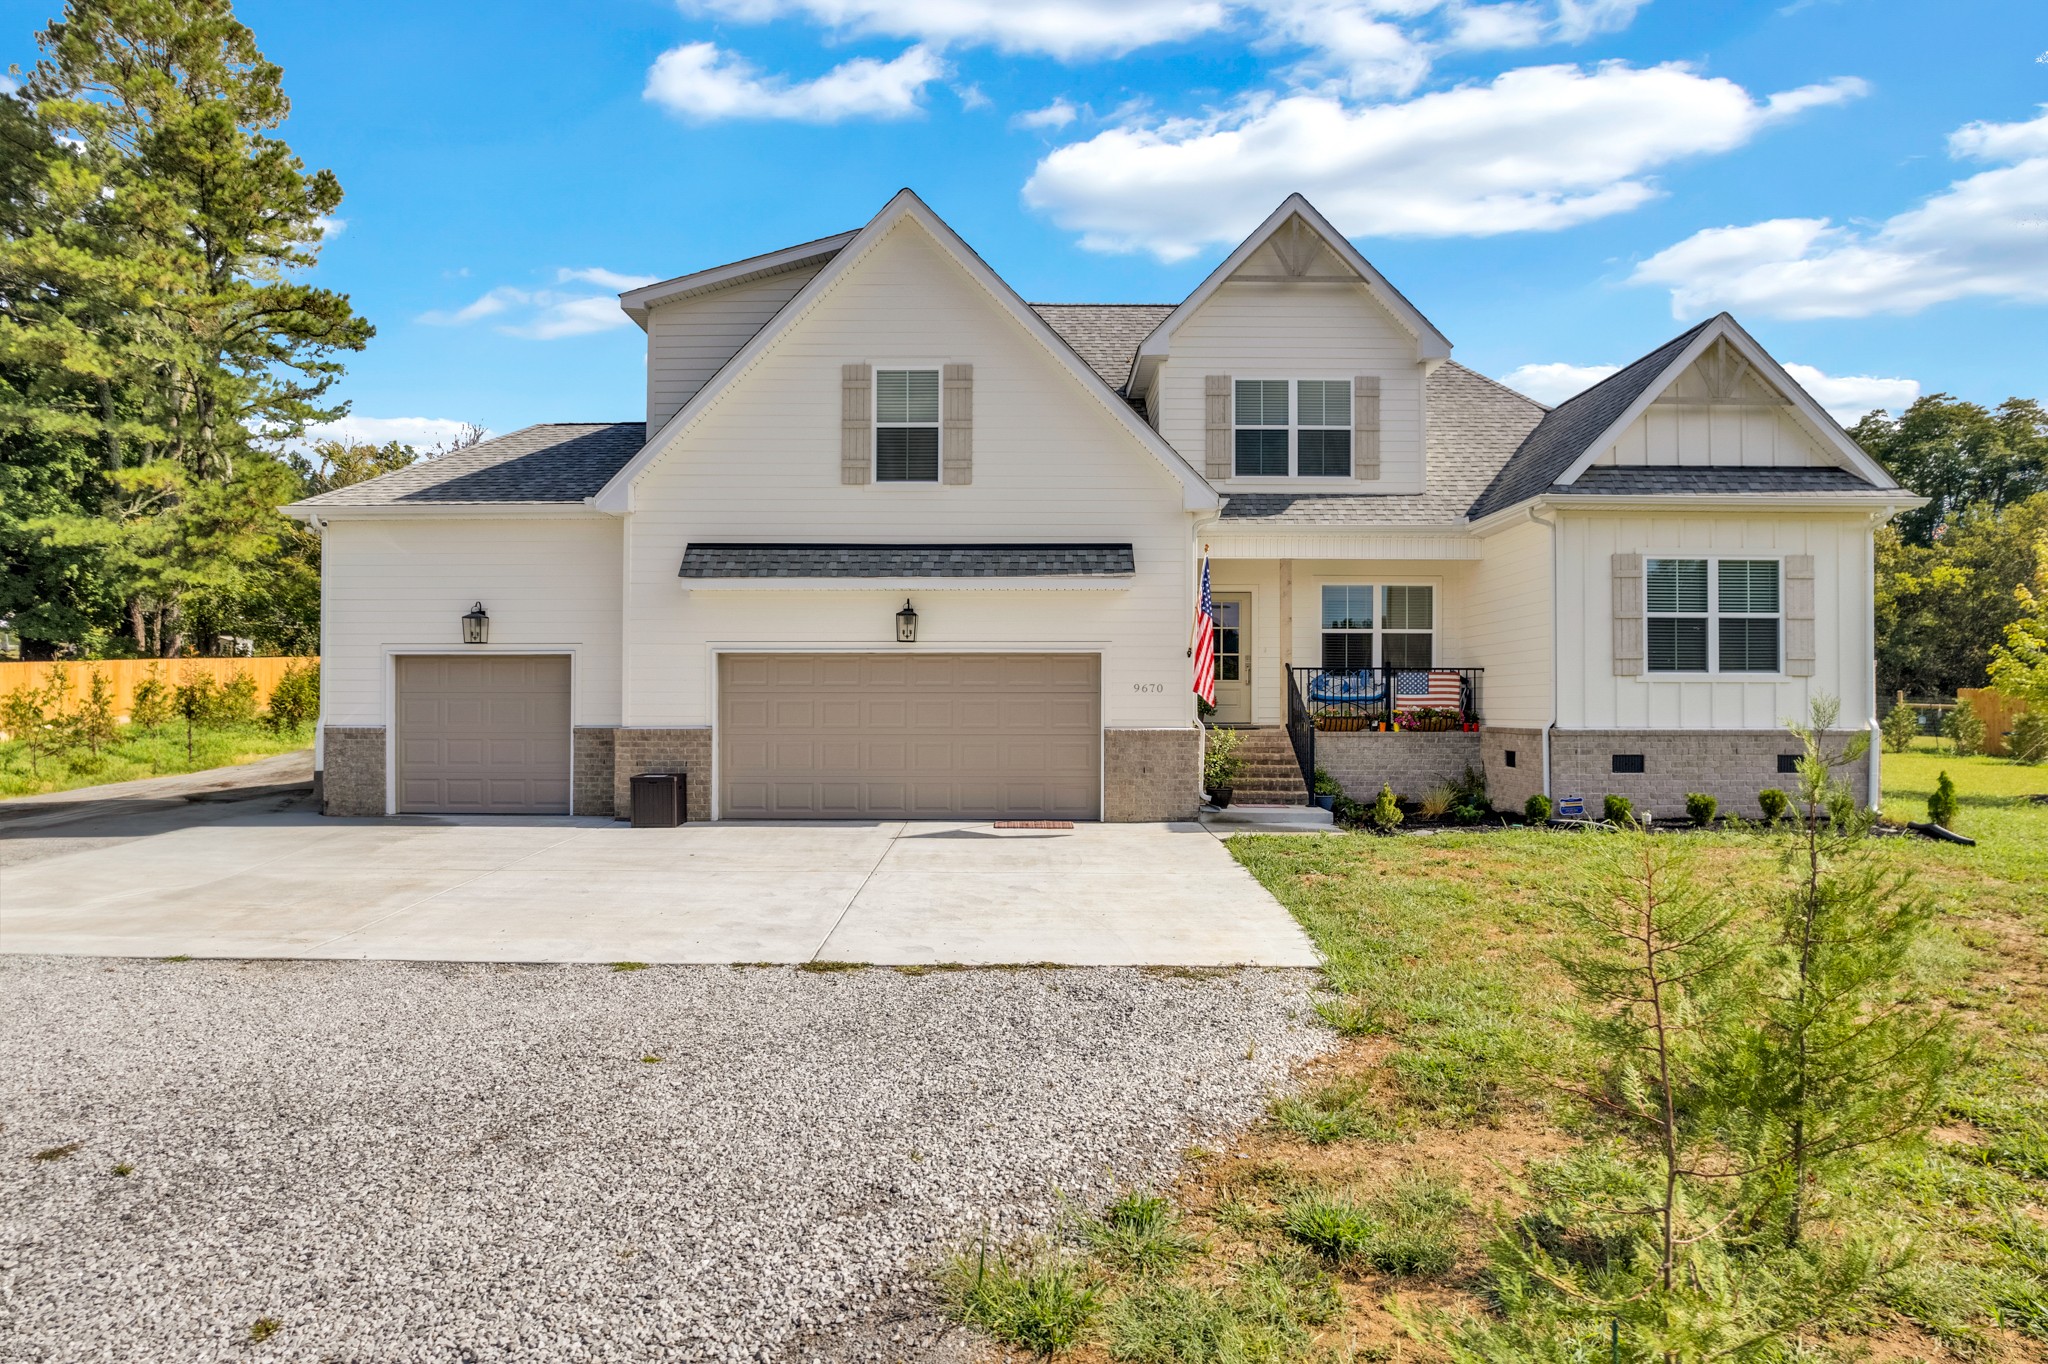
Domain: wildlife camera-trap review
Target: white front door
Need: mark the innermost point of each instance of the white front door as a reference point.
(1233, 661)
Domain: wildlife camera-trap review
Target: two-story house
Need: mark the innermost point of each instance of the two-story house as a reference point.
(893, 543)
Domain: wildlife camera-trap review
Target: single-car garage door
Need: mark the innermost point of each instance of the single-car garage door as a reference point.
(910, 736)
(483, 734)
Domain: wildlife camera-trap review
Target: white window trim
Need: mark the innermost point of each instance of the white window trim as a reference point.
(1379, 615)
(1294, 428)
(875, 423)
(1713, 669)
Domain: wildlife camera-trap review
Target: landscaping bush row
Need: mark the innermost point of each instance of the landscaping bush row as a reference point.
(48, 724)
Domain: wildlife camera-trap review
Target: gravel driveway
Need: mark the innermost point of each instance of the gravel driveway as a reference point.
(445, 1162)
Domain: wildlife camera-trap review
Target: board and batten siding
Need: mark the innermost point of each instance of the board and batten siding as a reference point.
(1507, 615)
(405, 583)
(1695, 437)
(1050, 464)
(1297, 331)
(1590, 696)
(690, 340)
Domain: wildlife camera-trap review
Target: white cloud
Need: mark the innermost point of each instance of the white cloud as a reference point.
(701, 81)
(1067, 29)
(1058, 114)
(422, 433)
(1538, 148)
(331, 227)
(548, 314)
(1554, 383)
(1985, 236)
(971, 97)
(1848, 397)
(1845, 396)
(8, 85)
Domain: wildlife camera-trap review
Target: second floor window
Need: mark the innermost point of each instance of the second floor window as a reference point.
(1292, 427)
(906, 426)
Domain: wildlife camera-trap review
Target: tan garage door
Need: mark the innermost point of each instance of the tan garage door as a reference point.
(483, 734)
(910, 736)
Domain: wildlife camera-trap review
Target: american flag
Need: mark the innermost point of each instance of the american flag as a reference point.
(1205, 642)
(1440, 688)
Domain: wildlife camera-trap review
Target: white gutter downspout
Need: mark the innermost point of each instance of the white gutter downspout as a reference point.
(1550, 526)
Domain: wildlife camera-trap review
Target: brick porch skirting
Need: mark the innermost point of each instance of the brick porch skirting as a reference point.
(662, 750)
(1731, 765)
(1150, 775)
(1410, 761)
(352, 770)
(1509, 788)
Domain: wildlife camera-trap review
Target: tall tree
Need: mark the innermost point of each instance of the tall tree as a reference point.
(214, 348)
(1941, 608)
(1959, 456)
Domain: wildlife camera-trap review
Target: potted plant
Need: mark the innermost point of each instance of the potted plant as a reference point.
(1341, 717)
(1432, 719)
(1326, 789)
(1221, 763)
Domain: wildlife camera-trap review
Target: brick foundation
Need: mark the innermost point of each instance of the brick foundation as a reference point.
(1150, 775)
(1509, 788)
(1729, 765)
(1410, 761)
(352, 770)
(591, 776)
(662, 750)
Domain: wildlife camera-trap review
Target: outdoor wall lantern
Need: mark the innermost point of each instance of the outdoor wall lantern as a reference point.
(476, 626)
(906, 623)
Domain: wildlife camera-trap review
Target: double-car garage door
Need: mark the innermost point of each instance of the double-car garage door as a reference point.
(910, 736)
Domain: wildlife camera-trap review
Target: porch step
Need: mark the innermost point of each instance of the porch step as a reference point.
(1269, 774)
(1269, 818)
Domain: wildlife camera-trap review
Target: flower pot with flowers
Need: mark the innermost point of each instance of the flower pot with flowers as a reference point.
(1431, 719)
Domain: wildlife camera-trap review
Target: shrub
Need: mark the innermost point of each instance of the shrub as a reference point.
(1042, 1305)
(1436, 800)
(1965, 729)
(1618, 810)
(1537, 809)
(1774, 803)
(296, 698)
(2028, 742)
(1901, 725)
(1702, 808)
(1327, 785)
(95, 725)
(1220, 759)
(1385, 813)
(1941, 806)
(237, 701)
(151, 705)
(34, 717)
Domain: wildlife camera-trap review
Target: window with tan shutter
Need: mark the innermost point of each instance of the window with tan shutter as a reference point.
(906, 426)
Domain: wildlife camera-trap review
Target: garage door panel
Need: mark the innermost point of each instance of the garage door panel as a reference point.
(483, 734)
(910, 735)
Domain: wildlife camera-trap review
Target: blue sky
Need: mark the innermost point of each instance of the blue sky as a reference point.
(1559, 184)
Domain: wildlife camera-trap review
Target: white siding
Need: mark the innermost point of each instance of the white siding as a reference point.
(1591, 697)
(689, 341)
(1508, 622)
(1754, 437)
(1050, 463)
(1297, 331)
(404, 584)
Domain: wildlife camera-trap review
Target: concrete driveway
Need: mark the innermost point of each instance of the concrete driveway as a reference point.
(289, 883)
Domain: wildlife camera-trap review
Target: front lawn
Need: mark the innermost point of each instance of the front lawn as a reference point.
(136, 754)
(1366, 1202)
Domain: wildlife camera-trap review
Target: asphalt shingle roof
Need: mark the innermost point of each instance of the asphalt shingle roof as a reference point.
(1574, 424)
(810, 560)
(553, 462)
(1639, 480)
(1106, 335)
(1475, 426)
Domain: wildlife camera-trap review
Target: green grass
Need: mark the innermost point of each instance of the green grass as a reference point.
(1140, 1234)
(1032, 1299)
(135, 755)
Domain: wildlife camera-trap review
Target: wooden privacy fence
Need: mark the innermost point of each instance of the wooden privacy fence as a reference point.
(124, 673)
(1997, 711)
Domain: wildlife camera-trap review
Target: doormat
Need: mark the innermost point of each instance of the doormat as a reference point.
(1034, 824)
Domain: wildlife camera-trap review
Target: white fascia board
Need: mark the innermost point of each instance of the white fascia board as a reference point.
(446, 511)
(617, 494)
(638, 302)
(1888, 500)
(1433, 344)
(1811, 414)
(1037, 583)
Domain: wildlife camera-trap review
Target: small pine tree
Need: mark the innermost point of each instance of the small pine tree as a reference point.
(296, 699)
(95, 725)
(237, 700)
(197, 701)
(1941, 806)
(151, 704)
(1849, 1057)
(1964, 729)
(24, 711)
(1901, 726)
(1385, 813)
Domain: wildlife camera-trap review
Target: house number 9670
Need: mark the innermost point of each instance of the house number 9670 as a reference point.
(1148, 686)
